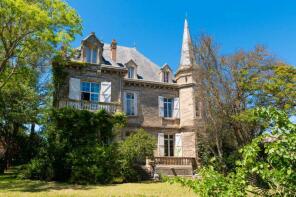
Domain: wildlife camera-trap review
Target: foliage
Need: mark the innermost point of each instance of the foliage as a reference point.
(268, 162)
(32, 30)
(133, 151)
(78, 148)
(18, 108)
(232, 86)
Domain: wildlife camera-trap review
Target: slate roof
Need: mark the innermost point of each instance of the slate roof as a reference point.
(146, 69)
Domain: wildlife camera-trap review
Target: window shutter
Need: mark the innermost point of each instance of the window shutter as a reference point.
(124, 102)
(105, 92)
(74, 89)
(160, 106)
(161, 144)
(176, 112)
(136, 103)
(178, 145)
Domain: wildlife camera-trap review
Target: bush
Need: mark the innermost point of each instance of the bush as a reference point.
(40, 169)
(133, 152)
(93, 164)
(268, 163)
(77, 148)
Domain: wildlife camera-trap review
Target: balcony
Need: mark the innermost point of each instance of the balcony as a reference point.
(88, 105)
(176, 161)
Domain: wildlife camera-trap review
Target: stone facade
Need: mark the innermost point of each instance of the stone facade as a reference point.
(119, 78)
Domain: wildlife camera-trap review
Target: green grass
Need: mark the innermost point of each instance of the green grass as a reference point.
(11, 185)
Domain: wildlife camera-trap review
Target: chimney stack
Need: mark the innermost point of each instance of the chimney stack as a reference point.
(113, 50)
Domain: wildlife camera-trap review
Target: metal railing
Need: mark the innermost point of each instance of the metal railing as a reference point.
(175, 161)
(87, 105)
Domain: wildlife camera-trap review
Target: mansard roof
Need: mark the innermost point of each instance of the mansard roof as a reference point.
(146, 69)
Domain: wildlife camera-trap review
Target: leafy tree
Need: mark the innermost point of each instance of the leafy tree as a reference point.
(33, 29)
(18, 108)
(231, 86)
(267, 165)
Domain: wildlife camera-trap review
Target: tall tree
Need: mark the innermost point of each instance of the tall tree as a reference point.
(33, 29)
(234, 84)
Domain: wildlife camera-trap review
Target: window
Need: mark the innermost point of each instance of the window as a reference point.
(166, 76)
(168, 145)
(131, 72)
(130, 104)
(90, 91)
(91, 55)
(168, 107)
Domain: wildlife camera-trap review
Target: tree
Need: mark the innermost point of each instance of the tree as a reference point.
(33, 29)
(231, 86)
(18, 108)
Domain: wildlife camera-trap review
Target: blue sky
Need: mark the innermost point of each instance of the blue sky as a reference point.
(156, 26)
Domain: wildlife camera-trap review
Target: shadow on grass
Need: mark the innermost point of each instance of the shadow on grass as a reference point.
(11, 182)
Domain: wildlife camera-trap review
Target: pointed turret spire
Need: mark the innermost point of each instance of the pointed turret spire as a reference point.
(187, 54)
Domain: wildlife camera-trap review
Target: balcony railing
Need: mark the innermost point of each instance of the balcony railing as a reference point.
(175, 161)
(87, 105)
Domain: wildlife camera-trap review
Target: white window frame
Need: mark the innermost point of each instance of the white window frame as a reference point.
(93, 53)
(166, 107)
(131, 72)
(166, 76)
(90, 91)
(131, 104)
(169, 138)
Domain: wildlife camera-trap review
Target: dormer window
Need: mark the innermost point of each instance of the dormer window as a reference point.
(131, 72)
(91, 55)
(166, 75)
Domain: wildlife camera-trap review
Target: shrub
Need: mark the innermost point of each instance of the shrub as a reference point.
(93, 164)
(269, 160)
(133, 152)
(40, 168)
(77, 148)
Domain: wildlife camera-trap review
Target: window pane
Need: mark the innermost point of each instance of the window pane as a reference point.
(85, 96)
(88, 54)
(94, 56)
(85, 86)
(171, 145)
(95, 87)
(130, 104)
(94, 97)
(131, 72)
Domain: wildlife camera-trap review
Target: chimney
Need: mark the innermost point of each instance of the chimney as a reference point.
(113, 50)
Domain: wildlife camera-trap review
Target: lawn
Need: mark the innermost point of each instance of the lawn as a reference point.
(10, 185)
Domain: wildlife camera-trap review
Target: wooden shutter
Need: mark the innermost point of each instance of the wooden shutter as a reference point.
(135, 103)
(178, 145)
(160, 106)
(74, 89)
(124, 102)
(105, 92)
(176, 112)
(161, 144)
